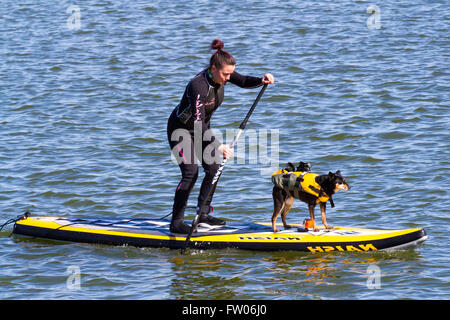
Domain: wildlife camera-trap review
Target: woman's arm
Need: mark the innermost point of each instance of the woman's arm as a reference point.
(245, 81)
(249, 81)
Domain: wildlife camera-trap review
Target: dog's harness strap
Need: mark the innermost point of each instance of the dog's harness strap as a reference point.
(318, 191)
(285, 180)
(298, 186)
(287, 184)
(311, 186)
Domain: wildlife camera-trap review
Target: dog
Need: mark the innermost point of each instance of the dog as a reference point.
(299, 183)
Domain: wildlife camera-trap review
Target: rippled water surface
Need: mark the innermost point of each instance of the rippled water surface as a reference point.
(84, 102)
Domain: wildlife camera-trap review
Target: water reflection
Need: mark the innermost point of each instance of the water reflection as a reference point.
(238, 274)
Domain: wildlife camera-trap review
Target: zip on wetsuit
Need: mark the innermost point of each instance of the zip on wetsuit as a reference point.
(201, 98)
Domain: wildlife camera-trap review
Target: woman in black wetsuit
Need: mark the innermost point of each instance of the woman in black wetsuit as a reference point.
(191, 119)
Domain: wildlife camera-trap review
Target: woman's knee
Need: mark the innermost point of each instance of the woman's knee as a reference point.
(189, 172)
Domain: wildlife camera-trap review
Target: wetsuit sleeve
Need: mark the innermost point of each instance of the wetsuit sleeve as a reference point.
(245, 81)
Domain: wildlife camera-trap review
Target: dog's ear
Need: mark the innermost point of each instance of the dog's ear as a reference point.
(331, 174)
(338, 173)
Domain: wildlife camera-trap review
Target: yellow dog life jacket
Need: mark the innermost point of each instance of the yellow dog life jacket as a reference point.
(297, 180)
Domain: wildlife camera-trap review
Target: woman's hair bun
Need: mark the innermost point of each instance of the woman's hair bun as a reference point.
(220, 58)
(217, 44)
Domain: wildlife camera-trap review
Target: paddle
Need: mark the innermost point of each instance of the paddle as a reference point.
(222, 165)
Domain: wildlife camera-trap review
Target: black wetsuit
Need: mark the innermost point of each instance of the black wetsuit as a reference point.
(200, 99)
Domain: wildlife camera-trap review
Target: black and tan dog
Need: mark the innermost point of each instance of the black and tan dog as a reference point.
(299, 183)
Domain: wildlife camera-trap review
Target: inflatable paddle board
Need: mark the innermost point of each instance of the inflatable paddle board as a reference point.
(242, 235)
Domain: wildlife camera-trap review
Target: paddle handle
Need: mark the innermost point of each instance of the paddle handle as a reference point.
(220, 169)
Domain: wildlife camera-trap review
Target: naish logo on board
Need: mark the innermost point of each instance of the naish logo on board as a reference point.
(362, 247)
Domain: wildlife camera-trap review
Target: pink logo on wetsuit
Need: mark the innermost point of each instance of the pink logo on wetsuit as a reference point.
(198, 105)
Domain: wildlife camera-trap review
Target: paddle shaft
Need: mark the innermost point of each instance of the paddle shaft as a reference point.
(220, 169)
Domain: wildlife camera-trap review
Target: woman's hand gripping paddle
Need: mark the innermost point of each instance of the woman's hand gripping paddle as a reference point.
(222, 165)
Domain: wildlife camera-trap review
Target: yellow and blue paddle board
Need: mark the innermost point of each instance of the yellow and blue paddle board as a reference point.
(141, 232)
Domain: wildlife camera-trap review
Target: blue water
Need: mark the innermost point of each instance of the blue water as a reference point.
(84, 102)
